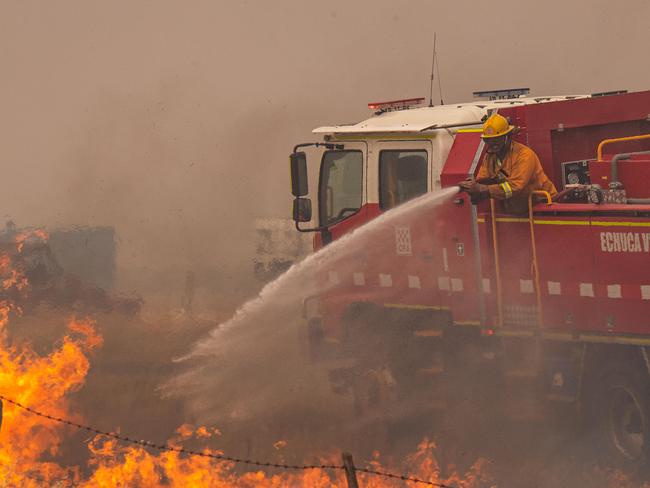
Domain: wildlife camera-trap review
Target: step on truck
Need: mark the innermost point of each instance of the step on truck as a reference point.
(549, 308)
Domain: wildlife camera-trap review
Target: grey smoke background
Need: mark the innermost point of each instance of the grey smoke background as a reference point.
(172, 121)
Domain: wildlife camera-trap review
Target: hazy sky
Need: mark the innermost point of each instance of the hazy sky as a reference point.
(172, 121)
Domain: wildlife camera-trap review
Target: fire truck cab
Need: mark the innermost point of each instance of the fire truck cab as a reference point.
(554, 302)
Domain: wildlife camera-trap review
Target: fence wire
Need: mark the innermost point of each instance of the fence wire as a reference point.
(218, 457)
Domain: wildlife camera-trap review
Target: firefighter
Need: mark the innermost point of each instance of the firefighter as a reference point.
(510, 171)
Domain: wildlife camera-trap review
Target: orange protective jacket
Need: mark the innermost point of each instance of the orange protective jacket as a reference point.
(519, 174)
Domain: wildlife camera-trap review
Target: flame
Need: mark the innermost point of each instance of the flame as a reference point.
(42, 383)
(118, 465)
(12, 282)
(6, 307)
(618, 479)
(10, 276)
(30, 235)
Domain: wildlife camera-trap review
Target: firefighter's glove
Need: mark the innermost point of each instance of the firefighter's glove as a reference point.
(476, 191)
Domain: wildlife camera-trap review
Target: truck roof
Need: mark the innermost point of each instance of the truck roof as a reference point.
(438, 117)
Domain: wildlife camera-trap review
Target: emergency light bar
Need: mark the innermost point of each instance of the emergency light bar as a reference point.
(608, 93)
(395, 104)
(500, 94)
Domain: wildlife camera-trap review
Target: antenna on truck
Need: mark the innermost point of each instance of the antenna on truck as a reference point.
(435, 68)
(433, 65)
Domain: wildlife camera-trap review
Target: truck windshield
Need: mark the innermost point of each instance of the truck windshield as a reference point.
(341, 185)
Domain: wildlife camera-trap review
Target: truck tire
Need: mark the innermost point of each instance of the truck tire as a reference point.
(622, 408)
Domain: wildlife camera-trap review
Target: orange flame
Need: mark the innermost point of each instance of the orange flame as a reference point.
(118, 465)
(34, 234)
(41, 382)
(10, 276)
(618, 479)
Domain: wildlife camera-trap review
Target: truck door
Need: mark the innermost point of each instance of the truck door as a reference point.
(403, 170)
(462, 236)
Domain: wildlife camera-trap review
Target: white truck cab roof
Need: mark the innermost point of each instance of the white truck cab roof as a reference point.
(422, 119)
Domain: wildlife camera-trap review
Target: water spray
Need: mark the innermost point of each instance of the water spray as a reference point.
(259, 348)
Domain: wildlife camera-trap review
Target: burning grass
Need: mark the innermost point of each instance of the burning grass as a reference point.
(27, 441)
(30, 444)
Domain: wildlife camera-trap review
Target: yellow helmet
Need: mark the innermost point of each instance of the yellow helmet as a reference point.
(496, 126)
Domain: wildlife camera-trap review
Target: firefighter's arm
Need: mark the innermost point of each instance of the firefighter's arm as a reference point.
(474, 187)
(514, 183)
(475, 190)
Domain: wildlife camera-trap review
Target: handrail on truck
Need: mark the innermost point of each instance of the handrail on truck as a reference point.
(535, 264)
(497, 266)
(599, 153)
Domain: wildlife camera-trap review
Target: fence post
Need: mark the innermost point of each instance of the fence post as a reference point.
(350, 470)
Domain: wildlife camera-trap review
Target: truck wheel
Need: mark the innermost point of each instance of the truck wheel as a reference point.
(624, 416)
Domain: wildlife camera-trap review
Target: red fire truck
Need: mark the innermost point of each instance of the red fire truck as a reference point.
(550, 308)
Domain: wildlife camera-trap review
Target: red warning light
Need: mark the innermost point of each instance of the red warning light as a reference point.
(395, 104)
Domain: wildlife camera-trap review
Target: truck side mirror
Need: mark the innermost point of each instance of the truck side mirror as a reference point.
(299, 183)
(302, 209)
